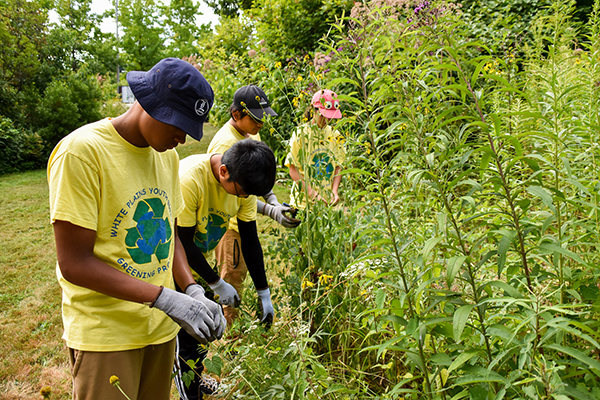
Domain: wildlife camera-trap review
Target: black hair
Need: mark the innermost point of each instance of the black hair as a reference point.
(237, 107)
(252, 165)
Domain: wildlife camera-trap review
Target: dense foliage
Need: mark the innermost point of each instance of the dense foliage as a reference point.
(463, 261)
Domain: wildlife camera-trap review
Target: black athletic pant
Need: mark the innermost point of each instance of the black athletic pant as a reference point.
(188, 349)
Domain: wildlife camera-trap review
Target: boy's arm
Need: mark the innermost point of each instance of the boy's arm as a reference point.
(297, 177)
(253, 255)
(181, 272)
(78, 265)
(195, 258)
(227, 293)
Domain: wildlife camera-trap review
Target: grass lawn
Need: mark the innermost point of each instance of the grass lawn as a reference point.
(33, 353)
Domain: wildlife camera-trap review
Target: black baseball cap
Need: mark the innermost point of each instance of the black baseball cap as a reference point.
(252, 98)
(175, 93)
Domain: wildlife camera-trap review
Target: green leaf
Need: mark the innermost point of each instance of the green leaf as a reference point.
(503, 247)
(462, 358)
(553, 247)
(543, 194)
(461, 317)
(454, 265)
(429, 245)
(594, 365)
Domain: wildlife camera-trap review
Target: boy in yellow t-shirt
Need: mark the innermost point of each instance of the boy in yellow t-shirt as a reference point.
(317, 153)
(114, 201)
(248, 110)
(217, 187)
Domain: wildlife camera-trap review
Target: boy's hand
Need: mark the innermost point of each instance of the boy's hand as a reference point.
(266, 312)
(191, 314)
(278, 214)
(335, 198)
(228, 296)
(271, 199)
(197, 292)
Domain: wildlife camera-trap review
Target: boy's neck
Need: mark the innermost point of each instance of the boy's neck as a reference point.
(233, 123)
(215, 165)
(127, 127)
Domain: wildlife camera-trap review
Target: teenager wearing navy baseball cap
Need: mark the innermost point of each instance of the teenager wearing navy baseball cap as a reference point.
(114, 201)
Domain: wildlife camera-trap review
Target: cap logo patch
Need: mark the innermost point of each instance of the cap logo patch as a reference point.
(201, 107)
(263, 102)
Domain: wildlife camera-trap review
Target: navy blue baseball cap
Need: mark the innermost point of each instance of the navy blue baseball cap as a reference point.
(175, 93)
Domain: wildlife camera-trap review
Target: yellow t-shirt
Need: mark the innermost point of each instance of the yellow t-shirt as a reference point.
(130, 196)
(320, 151)
(208, 206)
(226, 137)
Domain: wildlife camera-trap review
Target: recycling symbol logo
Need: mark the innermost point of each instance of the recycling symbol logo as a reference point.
(323, 166)
(215, 229)
(152, 233)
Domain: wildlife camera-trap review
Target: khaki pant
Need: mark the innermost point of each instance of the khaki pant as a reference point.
(232, 267)
(144, 374)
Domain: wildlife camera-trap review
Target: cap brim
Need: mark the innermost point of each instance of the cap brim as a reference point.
(333, 113)
(260, 113)
(158, 110)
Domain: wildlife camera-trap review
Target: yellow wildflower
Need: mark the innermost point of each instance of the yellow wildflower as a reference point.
(306, 58)
(402, 126)
(277, 64)
(271, 130)
(263, 68)
(299, 78)
(324, 279)
(114, 380)
(306, 284)
(46, 391)
(295, 101)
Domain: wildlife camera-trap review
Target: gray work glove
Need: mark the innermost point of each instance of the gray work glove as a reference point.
(191, 314)
(278, 214)
(265, 307)
(228, 296)
(271, 199)
(197, 292)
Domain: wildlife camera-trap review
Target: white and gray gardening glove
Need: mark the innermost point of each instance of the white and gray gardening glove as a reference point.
(191, 314)
(197, 292)
(265, 307)
(278, 214)
(228, 296)
(271, 199)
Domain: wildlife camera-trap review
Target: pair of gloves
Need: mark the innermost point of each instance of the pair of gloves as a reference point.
(201, 317)
(273, 209)
(228, 296)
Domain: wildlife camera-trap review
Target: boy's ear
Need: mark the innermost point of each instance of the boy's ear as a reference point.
(223, 172)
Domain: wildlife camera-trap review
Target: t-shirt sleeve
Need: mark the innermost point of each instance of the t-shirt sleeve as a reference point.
(74, 191)
(192, 197)
(247, 211)
(292, 157)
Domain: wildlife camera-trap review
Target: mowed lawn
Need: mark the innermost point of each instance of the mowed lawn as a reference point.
(33, 353)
